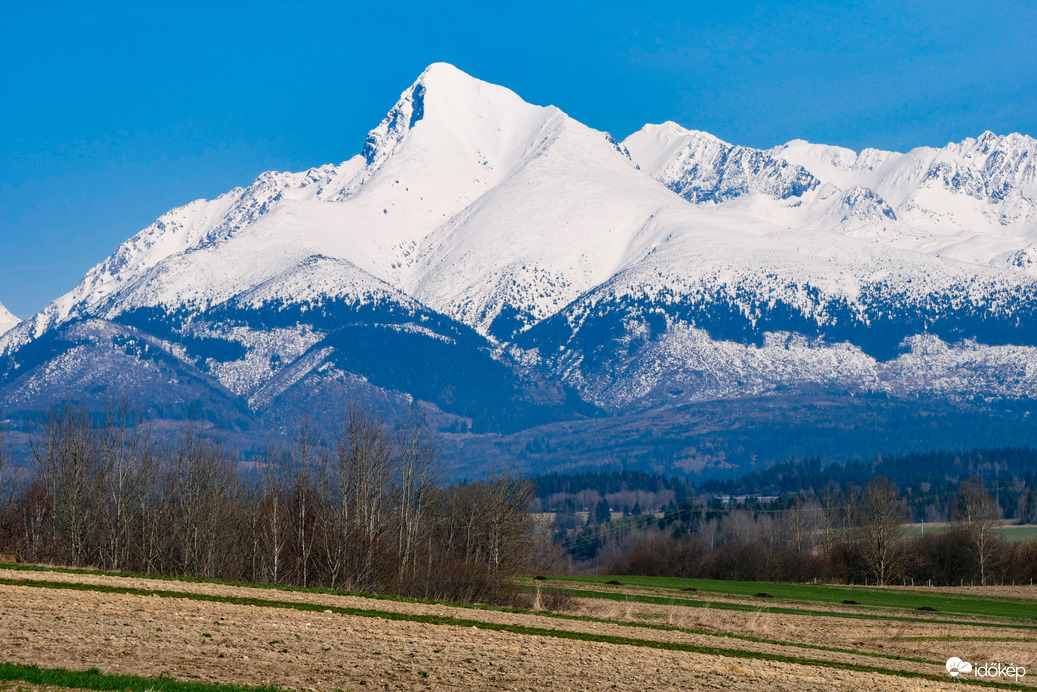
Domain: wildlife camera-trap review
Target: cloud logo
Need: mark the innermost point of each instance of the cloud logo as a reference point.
(955, 666)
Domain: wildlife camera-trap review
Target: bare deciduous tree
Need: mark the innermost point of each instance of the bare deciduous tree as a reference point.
(272, 513)
(6, 482)
(364, 458)
(831, 517)
(65, 449)
(364, 513)
(418, 456)
(977, 514)
(124, 442)
(201, 475)
(880, 531)
(307, 451)
(150, 493)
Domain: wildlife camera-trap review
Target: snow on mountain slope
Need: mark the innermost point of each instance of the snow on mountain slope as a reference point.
(703, 168)
(499, 213)
(672, 362)
(466, 198)
(461, 175)
(998, 170)
(840, 166)
(7, 320)
(323, 277)
(555, 228)
(972, 201)
(976, 199)
(489, 231)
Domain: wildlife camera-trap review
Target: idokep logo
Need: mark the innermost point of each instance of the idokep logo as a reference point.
(956, 667)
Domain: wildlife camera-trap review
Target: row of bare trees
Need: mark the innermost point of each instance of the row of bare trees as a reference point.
(849, 534)
(359, 508)
(866, 530)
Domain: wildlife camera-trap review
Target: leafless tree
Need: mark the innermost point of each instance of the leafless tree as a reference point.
(880, 531)
(6, 480)
(307, 453)
(151, 494)
(366, 513)
(202, 475)
(831, 517)
(364, 454)
(65, 448)
(508, 530)
(488, 523)
(34, 509)
(418, 457)
(124, 442)
(797, 525)
(331, 521)
(978, 515)
(272, 513)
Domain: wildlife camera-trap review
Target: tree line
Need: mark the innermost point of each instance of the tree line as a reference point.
(359, 508)
(843, 534)
(928, 480)
(928, 483)
(362, 507)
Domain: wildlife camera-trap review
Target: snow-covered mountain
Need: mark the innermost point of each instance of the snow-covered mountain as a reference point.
(703, 168)
(465, 198)
(974, 201)
(7, 320)
(508, 266)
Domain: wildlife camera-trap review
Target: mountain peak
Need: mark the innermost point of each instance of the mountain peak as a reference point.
(7, 320)
(665, 130)
(990, 141)
(460, 110)
(477, 224)
(663, 134)
(442, 72)
(401, 118)
(704, 168)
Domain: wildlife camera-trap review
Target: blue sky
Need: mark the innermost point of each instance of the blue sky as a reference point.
(112, 114)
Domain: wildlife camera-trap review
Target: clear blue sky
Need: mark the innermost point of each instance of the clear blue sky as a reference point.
(111, 115)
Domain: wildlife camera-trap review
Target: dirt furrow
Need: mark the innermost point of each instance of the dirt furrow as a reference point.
(194, 640)
(692, 618)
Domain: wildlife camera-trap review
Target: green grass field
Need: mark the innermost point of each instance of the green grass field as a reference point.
(1020, 533)
(960, 604)
(1011, 533)
(94, 679)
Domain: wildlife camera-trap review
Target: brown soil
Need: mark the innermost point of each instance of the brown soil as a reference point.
(934, 642)
(852, 635)
(149, 636)
(992, 591)
(713, 597)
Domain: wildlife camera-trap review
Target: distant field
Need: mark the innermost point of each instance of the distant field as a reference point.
(1023, 608)
(1020, 533)
(89, 630)
(1014, 533)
